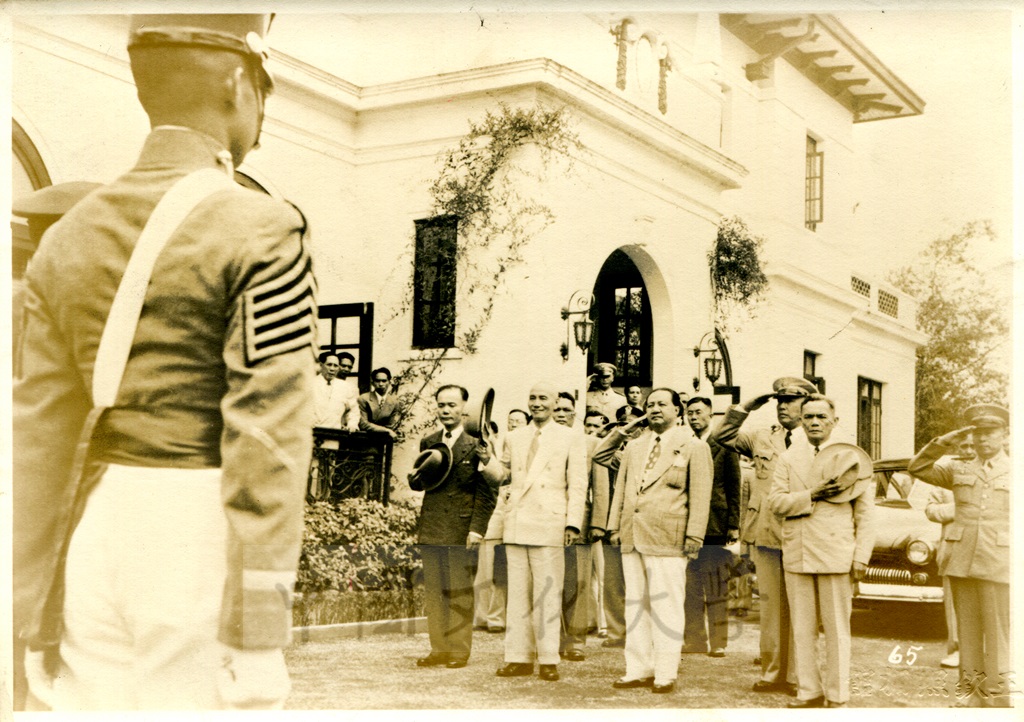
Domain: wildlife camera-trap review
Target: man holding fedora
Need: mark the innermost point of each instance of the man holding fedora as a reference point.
(547, 467)
(457, 504)
(760, 528)
(978, 546)
(825, 494)
(162, 422)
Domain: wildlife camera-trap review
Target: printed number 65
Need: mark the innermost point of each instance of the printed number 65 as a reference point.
(896, 658)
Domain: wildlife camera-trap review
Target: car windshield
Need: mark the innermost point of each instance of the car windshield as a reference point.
(898, 488)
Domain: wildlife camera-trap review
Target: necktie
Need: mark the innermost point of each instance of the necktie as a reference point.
(655, 454)
(816, 450)
(789, 438)
(533, 450)
(448, 439)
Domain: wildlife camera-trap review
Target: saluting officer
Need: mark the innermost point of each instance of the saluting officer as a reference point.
(977, 542)
(762, 528)
(185, 515)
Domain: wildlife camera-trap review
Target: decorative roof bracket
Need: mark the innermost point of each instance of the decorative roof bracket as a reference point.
(760, 69)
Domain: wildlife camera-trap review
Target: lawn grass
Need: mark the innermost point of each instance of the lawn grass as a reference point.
(380, 672)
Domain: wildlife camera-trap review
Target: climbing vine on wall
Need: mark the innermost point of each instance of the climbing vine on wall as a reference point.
(490, 182)
(738, 281)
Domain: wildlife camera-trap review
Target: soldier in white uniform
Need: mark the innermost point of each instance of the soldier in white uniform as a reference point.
(184, 503)
(977, 548)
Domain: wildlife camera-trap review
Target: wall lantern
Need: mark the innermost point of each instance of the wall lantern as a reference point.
(713, 364)
(582, 329)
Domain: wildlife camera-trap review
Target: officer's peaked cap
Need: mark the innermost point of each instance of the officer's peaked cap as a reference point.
(793, 387)
(987, 416)
(238, 33)
(52, 201)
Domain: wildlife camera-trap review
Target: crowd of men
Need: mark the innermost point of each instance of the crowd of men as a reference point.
(163, 402)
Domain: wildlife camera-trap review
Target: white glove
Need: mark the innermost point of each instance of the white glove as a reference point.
(40, 683)
(252, 679)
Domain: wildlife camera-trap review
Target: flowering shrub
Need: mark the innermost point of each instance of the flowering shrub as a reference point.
(738, 280)
(358, 544)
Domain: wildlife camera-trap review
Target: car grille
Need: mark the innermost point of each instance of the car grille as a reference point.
(880, 575)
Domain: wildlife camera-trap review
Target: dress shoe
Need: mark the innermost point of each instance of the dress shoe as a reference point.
(830, 703)
(762, 686)
(633, 683)
(496, 630)
(573, 655)
(757, 661)
(515, 669)
(432, 660)
(614, 643)
(664, 688)
(456, 663)
(717, 652)
(789, 688)
(807, 703)
(549, 672)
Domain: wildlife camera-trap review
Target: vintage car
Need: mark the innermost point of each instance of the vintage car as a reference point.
(903, 565)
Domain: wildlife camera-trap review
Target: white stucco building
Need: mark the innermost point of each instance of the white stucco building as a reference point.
(684, 119)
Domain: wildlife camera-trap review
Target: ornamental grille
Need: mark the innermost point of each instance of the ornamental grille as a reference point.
(860, 286)
(888, 304)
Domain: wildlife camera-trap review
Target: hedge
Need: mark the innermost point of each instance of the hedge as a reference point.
(358, 545)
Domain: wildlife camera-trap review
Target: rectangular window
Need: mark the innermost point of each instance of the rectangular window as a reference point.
(869, 416)
(811, 370)
(859, 285)
(433, 303)
(814, 186)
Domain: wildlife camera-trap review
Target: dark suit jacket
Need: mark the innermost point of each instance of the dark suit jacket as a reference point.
(462, 503)
(374, 416)
(725, 494)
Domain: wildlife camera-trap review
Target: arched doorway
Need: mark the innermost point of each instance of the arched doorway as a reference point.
(623, 323)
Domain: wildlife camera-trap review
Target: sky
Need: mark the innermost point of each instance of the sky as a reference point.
(954, 161)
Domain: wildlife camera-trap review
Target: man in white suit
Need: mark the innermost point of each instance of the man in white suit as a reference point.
(825, 542)
(546, 465)
(659, 515)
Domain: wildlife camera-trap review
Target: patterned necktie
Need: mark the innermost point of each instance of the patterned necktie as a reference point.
(653, 457)
(533, 450)
(789, 438)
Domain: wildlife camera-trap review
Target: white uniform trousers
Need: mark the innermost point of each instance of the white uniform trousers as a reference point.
(655, 598)
(777, 646)
(145, 578)
(832, 596)
(533, 622)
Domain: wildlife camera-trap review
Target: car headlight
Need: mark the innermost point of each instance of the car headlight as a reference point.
(919, 552)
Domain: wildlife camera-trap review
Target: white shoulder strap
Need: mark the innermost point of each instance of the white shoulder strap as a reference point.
(119, 331)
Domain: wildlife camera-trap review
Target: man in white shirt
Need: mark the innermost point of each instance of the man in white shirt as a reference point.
(335, 397)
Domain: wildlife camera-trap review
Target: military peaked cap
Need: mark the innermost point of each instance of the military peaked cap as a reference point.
(239, 33)
(55, 200)
(987, 416)
(793, 387)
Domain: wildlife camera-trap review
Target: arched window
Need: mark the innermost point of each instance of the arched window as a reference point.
(27, 174)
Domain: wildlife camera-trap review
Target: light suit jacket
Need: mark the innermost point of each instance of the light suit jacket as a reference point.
(820, 537)
(655, 515)
(550, 495)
